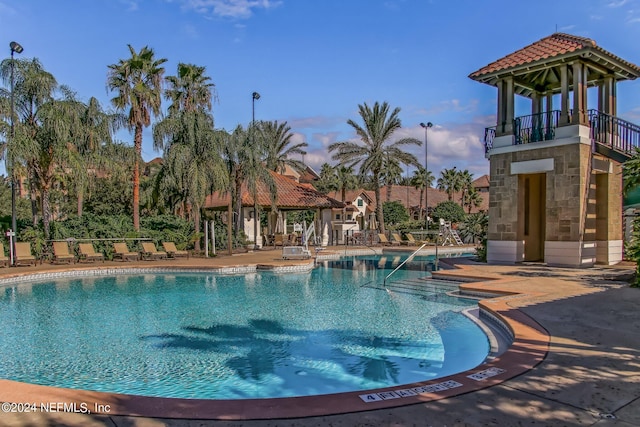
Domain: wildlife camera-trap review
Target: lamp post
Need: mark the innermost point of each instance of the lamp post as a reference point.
(426, 174)
(17, 48)
(254, 96)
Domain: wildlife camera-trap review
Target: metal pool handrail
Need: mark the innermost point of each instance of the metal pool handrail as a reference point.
(403, 263)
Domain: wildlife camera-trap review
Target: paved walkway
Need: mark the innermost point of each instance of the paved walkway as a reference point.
(590, 376)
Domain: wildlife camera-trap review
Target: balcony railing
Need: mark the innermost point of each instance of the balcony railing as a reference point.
(614, 133)
(610, 131)
(536, 127)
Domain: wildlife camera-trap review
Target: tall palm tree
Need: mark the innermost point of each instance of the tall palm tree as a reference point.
(279, 147)
(327, 181)
(466, 179)
(471, 198)
(392, 174)
(95, 133)
(138, 84)
(449, 182)
(186, 134)
(422, 179)
(345, 180)
(379, 124)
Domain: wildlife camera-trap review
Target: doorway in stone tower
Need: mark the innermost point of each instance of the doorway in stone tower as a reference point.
(531, 206)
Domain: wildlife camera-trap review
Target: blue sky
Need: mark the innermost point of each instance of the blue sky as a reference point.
(314, 61)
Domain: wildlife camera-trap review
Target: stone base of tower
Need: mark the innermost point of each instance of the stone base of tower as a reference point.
(609, 252)
(505, 251)
(570, 254)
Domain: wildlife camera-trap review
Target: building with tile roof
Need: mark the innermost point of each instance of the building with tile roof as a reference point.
(555, 170)
(291, 196)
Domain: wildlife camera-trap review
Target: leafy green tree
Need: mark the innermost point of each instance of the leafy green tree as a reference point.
(374, 146)
(395, 212)
(137, 82)
(466, 179)
(279, 146)
(449, 211)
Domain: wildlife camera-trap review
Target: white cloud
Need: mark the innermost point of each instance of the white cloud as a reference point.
(229, 8)
(617, 3)
(450, 105)
(132, 5)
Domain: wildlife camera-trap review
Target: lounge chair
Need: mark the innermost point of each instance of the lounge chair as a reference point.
(88, 253)
(121, 251)
(149, 252)
(278, 240)
(61, 253)
(172, 251)
(4, 260)
(384, 241)
(411, 240)
(23, 254)
(395, 238)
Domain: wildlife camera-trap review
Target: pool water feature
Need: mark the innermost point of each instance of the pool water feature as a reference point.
(260, 335)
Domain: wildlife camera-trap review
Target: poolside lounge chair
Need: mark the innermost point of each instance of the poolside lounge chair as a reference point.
(23, 253)
(172, 251)
(384, 241)
(395, 238)
(278, 240)
(411, 240)
(121, 251)
(88, 253)
(149, 252)
(61, 253)
(4, 260)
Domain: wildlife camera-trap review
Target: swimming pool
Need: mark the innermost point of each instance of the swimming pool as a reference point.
(259, 335)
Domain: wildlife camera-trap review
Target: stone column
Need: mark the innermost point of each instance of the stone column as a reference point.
(509, 106)
(579, 114)
(564, 95)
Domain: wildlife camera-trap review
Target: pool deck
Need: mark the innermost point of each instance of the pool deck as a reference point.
(576, 360)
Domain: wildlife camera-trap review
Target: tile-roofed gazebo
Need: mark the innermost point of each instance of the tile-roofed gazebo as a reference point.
(291, 195)
(534, 64)
(555, 171)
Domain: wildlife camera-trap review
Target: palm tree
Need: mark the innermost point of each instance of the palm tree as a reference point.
(422, 179)
(373, 146)
(279, 147)
(138, 83)
(466, 180)
(345, 180)
(471, 198)
(186, 134)
(449, 182)
(95, 133)
(327, 181)
(391, 175)
(34, 86)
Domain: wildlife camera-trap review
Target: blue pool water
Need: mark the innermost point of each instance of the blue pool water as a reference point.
(259, 335)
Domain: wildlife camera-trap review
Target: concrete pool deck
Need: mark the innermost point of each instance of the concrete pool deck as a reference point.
(589, 376)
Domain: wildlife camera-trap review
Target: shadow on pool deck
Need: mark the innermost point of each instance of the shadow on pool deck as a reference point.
(590, 375)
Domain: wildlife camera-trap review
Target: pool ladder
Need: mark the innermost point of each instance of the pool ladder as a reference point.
(403, 263)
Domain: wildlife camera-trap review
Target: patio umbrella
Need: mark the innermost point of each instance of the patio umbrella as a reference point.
(279, 223)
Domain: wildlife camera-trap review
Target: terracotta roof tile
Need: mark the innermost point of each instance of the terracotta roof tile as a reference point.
(291, 195)
(555, 45)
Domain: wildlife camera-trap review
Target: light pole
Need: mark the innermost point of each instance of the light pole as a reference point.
(17, 48)
(426, 174)
(254, 96)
